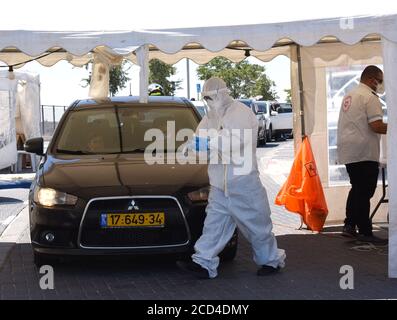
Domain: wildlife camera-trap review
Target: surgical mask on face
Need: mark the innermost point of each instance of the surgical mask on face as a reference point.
(380, 88)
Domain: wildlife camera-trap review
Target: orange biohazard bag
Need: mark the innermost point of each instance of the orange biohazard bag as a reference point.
(302, 192)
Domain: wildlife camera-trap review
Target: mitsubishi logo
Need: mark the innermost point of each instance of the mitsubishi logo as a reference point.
(133, 206)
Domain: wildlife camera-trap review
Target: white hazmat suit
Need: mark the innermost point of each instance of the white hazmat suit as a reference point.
(237, 197)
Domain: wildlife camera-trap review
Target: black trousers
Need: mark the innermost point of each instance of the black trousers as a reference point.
(364, 179)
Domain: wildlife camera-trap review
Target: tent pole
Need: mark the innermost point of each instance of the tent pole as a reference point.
(142, 54)
(301, 113)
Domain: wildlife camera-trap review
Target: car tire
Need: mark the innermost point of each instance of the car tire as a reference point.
(264, 138)
(269, 134)
(230, 251)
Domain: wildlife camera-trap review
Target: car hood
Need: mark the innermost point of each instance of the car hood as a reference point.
(119, 175)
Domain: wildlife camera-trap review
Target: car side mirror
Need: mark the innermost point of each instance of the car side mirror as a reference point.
(273, 113)
(35, 145)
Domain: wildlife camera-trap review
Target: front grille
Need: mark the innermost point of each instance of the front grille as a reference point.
(174, 232)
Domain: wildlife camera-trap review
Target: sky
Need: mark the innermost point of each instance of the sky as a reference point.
(61, 84)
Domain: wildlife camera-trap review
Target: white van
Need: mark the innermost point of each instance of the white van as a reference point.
(279, 118)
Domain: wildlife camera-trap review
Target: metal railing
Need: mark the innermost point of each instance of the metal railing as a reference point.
(49, 119)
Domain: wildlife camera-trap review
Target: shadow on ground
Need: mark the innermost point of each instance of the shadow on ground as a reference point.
(312, 272)
(7, 200)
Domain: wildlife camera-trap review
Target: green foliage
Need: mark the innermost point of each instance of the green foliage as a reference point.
(288, 92)
(160, 72)
(117, 78)
(244, 80)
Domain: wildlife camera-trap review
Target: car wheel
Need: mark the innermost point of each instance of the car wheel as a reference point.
(269, 134)
(264, 138)
(230, 251)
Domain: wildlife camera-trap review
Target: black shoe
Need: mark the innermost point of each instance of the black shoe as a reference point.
(349, 231)
(372, 239)
(194, 269)
(267, 270)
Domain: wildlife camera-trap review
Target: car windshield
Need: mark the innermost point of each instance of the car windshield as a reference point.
(122, 129)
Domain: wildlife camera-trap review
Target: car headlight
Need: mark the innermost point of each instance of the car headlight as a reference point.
(49, 197)
(199, 195)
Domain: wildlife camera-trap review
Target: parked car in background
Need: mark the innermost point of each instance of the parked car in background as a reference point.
(252, 104)
(264, 109)
(95, 194)
(200, 107)
(281, 116)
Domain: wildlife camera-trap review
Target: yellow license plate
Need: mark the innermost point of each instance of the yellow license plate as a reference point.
(153, 219)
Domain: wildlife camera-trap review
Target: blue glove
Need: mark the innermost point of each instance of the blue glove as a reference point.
(201, 143)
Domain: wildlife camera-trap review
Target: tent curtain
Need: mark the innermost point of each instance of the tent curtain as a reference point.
(8, 144)
(390, 71)
(315, 61)
(103, 60)
(99, 84)
(28, 105)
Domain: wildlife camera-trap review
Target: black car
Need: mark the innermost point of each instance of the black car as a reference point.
(95, 194)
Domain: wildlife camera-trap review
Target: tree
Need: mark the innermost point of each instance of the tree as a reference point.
(244, 80)
(160, 72)
(265, 88)
(288, 98)
(117, 78)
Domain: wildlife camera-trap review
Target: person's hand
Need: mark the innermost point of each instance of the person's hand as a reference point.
(198, 143)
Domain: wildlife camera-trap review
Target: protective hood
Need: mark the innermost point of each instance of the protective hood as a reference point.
(216, 95)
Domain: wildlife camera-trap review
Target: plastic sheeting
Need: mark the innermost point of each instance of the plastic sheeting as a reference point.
(390, 67)
(19, 113)
(27, 117)
(8, 144)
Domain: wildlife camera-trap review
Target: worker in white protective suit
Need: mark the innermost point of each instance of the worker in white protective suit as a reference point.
(237, 196)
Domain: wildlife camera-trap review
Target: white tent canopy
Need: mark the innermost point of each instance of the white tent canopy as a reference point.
(311, 45)
(260, 37)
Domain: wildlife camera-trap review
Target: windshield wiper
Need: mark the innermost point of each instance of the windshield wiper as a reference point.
(137, 150)
(143, 150)
(72, 151)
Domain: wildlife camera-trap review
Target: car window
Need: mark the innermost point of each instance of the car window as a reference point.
(90, 131)
(135, 122)
(281, 107)
(121, 129)
(262, 107)
(284, 108)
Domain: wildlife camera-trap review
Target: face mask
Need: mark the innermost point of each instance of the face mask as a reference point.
(380, 88)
